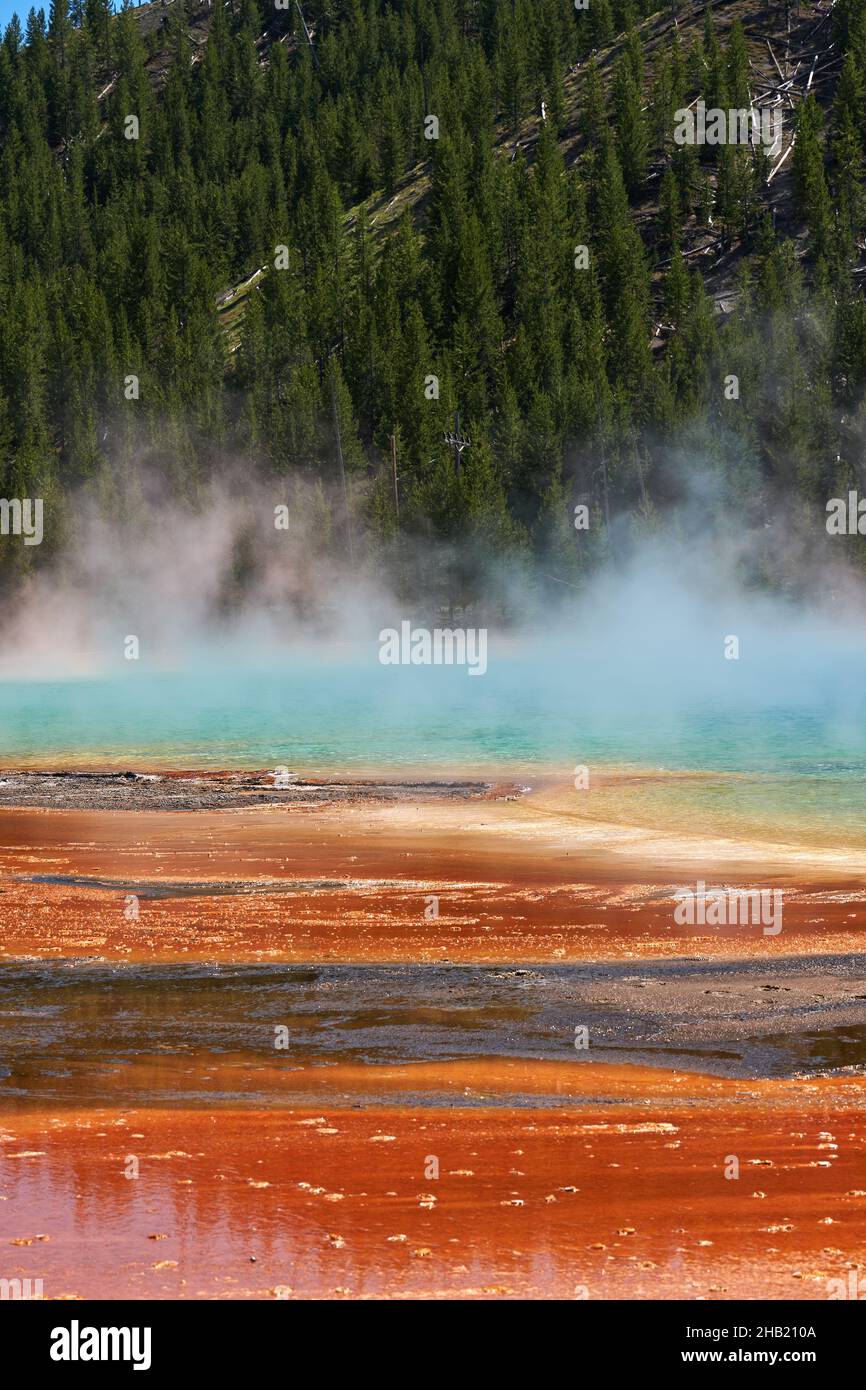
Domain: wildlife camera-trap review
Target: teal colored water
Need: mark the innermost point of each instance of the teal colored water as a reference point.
(350, 712)
(793, 728)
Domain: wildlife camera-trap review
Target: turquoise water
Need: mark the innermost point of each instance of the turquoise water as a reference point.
(532, 706)
(792, 727)
(346, 715)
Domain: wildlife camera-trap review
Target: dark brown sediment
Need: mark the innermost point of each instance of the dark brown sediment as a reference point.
(209, 790)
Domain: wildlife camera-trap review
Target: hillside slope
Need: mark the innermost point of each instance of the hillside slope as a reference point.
(328, 249)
